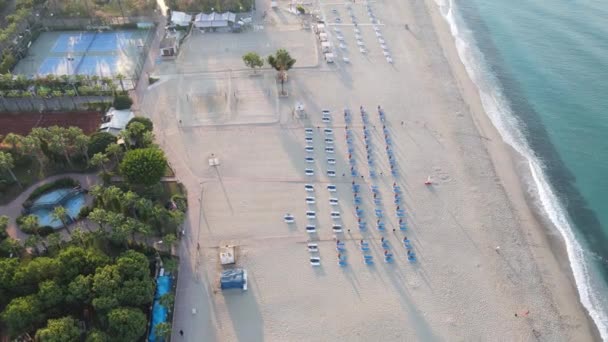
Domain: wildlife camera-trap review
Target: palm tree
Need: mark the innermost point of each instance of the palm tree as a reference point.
(54, 241)
(32, 146)
(96, 191)
(30, 223)
(163, 330)
(32, 241)
(114, 150)
(79, 236)
(82, 143)
(111, 198)
(121, 77)
(169, 240)
(7, 164)
(99, 216)
(167, 300)
(58, 144)
(281, 61)
(99, 159)
(129, 203)
(61, 214)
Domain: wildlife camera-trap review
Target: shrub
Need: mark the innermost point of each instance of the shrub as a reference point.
(180, 201)
(144, 121)
(122, 102)
(99, 142)
(84, 212)
(58, 184)
(143, 166)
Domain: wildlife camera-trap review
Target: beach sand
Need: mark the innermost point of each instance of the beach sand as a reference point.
(460, 289)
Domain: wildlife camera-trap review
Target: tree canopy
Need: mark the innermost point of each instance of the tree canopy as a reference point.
(59, 330)
(282, 62)
(253, 60)
(143, 166)
(126, 324)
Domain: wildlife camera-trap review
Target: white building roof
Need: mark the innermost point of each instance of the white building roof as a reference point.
(180, 18)
(117, 120)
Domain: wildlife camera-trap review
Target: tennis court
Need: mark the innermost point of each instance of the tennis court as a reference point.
(85, 53)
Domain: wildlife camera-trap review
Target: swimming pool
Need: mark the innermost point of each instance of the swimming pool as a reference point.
(72, 200)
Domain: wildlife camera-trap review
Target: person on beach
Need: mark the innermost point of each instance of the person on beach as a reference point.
(181, 333)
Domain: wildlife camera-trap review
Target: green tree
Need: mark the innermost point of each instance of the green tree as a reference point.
(49, 295)
(136, 132)
(301, 9)
(32, 241)
(126, 324)
(11, 247)
(99, 216)
(167, 300)
(32, 146)
(99, 159)
(61, 214)
(281, 61)
(80, 290)
(142, 120)
(169, 240)
(163, 330)
(59, 330)
(253, 60)
(99, 142)
(7, 164)
(14, 140)
(82, 143)
(97, 336)
(114, 151)
(3, 223)
(143, 166)
(54, 241)
(22, 314)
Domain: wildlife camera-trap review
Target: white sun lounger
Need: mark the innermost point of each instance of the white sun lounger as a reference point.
(331, 161)
(315, 261)
(333, 201)
(309, 149)
(326, 119)
(331, 173)
(331, 188)
(336, 228)
(329, 150)
(308, 139)
(311, 229)
(310, 159)
(310, 200)
(313, 247)
(329, 141)
(328, 131)
(335, 214)
(309, 172)
(346, 59)
(309, 131)
(311, 214)
(309, 187)
(289, 218)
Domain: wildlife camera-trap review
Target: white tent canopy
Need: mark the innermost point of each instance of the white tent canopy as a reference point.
(213, 19)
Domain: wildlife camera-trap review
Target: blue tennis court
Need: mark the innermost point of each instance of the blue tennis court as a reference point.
(73, 42)
(98, 65)
(80, 42)
(59, 66)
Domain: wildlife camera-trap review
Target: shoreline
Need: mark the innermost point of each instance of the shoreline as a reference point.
(512, 169)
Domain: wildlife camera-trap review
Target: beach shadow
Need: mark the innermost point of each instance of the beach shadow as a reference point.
(245, 315)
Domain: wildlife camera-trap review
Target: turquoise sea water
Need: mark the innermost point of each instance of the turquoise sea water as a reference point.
(542, 70)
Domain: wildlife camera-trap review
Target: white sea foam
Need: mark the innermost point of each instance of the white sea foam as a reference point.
(499, 111)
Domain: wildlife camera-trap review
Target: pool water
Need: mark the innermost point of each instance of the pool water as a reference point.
(72, 204)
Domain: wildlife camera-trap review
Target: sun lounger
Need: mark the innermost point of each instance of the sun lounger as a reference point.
(310, 200)
(315, 261)
(381, 226)
(333, 201)
(311, 229)
(402, 226)
(331, 161)
(336, 228)
(331, 188)
(313, 247)
(342, 263)
(362, 225)
(328, 131)
(310, 160)
(309, 149)
(288, 218)
(309, 187)
(311, 214)
(309, 172)
(335, 214)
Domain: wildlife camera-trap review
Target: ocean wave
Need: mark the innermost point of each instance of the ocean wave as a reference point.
(498, 110)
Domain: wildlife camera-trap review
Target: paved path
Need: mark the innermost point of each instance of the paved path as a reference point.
(13, 209)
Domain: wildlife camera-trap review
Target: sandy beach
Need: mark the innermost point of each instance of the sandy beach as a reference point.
(461, 288)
